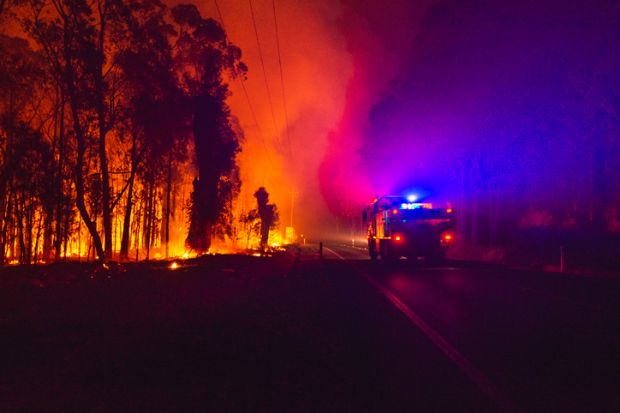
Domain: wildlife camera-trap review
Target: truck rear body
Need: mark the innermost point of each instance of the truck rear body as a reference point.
(399, 228)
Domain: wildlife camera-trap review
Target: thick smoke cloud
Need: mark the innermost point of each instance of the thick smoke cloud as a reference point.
(316, 67)
(464, 100)
(509, 106)
(378, 36)
(514, 91)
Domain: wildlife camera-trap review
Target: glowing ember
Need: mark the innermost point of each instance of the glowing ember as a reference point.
(173, 266)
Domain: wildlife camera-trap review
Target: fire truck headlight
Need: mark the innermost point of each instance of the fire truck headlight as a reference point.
(412, 197)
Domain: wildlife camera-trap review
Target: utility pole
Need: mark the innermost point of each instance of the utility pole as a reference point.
(292, 193)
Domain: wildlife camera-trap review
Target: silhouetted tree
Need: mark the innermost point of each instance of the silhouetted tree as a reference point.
(74, 37)
(120, 88)
(251, 225)
(204, 56)
(268, 215)
(25, 157)
(157, 116)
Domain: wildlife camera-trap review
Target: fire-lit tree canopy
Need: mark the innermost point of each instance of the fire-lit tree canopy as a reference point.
(204, 54)
(508, 109)
(99, 103)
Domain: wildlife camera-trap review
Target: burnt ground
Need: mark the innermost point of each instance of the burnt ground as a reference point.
(222, 333)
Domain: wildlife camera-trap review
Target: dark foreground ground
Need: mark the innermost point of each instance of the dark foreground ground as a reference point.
(296, 333)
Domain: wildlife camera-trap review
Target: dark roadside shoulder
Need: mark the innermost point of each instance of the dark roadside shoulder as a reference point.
(288, 332)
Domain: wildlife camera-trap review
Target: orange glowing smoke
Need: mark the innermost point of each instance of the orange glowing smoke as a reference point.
(315, 69)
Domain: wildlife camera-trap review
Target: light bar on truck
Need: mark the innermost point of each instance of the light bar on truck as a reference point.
(416, 205)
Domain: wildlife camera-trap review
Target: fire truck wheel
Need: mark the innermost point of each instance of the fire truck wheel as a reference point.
(385, 252)
(371, 250)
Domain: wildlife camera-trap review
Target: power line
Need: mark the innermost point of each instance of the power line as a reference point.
(262, 62)
(245, 93)
(242, 81)
(288, 135)
(253, 113)
(219, 12)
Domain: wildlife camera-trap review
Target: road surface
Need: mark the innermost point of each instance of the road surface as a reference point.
(530, 341)
(299, 333)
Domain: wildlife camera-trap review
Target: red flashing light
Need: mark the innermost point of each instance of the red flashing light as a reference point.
(395, 211)
(449, 210)
(398, 238)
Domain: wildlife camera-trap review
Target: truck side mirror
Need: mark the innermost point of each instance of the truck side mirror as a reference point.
(364, 217)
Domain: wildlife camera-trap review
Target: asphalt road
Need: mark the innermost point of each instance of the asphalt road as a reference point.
(299, 333)
(530, 341)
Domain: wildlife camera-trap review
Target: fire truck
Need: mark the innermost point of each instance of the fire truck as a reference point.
(399, 226)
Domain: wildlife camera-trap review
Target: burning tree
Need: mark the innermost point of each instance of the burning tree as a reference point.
(204, 56)
(156, 116)
(26, 203)
(95, 122)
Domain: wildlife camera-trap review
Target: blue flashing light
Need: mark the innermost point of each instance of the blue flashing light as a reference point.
(413, 205)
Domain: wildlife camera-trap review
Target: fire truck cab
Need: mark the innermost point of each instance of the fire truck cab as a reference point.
(398, 227)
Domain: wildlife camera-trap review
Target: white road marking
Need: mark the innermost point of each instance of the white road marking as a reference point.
(471, 371)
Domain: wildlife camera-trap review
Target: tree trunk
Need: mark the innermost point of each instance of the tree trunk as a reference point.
(137, 226)
(103, 131)
(168, 190)
(153, 215)
(80, 147)
(20, 230)
(6, 211)
(148, 220)
(65, 233)
(127, 221)
(80, 202)
(59, 187)
(48, 215)
(38, 237)
(128, 206)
